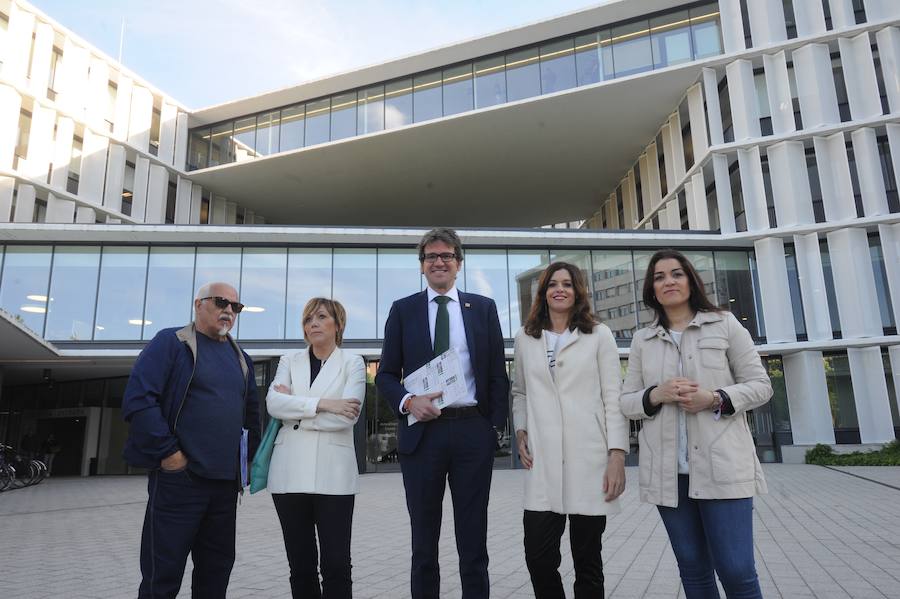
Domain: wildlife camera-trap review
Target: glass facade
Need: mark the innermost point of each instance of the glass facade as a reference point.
(123, 293)
(619, 50)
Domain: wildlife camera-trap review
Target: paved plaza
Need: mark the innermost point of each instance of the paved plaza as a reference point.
(819, 533)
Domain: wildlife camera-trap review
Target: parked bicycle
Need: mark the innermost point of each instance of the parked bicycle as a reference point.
(19, 470)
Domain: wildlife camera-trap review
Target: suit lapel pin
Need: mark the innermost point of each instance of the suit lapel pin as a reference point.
(468, 305)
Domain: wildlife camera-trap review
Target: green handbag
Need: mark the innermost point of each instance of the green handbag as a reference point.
(259, 471)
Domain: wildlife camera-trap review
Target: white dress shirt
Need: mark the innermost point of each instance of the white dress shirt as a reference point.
(457, 342)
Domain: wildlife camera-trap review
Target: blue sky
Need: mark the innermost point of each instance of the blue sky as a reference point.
(204, 52)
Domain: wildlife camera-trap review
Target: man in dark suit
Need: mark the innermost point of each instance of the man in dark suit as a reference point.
(456, 443)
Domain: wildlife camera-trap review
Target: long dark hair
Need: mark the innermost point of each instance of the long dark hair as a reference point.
(698, 300)
(580, 318)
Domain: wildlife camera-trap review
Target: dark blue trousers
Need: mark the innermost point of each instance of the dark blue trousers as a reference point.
(461, 452)
(187, 514)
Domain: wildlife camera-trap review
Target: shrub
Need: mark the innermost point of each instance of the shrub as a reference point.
(823, 455)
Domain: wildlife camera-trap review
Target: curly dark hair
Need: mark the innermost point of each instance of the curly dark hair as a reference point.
(698, 300)
(581, 317)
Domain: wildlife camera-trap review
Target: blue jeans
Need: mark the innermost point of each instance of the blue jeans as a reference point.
(709, 537)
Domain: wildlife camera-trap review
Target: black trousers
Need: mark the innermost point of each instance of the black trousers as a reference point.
(302, 515)
(460, 452)
(187, 514)
(543, 532)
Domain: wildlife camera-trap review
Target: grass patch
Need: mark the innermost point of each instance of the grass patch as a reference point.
(823, 455)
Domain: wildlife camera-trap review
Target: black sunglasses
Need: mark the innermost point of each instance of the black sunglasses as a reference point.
(222, 303)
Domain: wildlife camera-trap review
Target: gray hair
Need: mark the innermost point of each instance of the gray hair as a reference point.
(444, 234)
(206, 289)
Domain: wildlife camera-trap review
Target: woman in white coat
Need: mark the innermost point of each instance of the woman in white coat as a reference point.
(570, 432)
(313, 477)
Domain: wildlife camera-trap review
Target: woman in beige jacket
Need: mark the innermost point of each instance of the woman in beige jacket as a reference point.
(570, 431)
(692, 375)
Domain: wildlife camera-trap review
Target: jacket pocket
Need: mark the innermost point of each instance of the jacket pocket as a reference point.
(732, 454)
(712, 352)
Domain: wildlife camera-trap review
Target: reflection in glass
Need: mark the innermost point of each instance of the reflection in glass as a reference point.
(557, 66)
(458, 89)
(705, 30)
(490, 82)
(398, 276)
(525, 266)
(263, 280)
(317, 122)
(170, 277)
(631, 48)
(703, 263)
(486, 275)
(671, 39)
(343, 116)
(73, 289)
(222, 148)
(120, 294)
(218, 265)
(613, 284)
(881, 283)
(793, 276)
(427, 97)
(734, 288)
(354, 286)
(398, 109)
(245, 139)
(523, 76)
(371, 110)
(292, 127)
(892, 391)
(309, 276)
(840, 391)
(268, 127)
(593, 58)
(830, 295)
(23, 289)
(198, 150)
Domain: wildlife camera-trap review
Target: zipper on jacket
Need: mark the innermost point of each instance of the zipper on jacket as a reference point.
(186, 389)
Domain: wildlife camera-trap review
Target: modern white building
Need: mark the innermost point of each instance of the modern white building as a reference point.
(761, 137)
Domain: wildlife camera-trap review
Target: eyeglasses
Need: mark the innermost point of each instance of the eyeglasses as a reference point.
(222, 303)
(446, 257)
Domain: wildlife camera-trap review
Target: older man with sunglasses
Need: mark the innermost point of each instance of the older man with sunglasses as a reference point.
(191, 402)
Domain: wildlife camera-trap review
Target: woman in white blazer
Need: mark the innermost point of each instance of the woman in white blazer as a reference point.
(570, 432)
(313, 477)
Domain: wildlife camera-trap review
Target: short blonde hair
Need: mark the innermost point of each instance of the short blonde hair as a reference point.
(334, 308)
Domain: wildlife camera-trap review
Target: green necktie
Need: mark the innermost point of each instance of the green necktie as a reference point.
(442, 326)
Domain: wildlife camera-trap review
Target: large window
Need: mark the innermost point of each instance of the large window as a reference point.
(309, 276)
(23, 289)
(218, 265)
(593, 58)
(293, 126)
(558, 66)
(613, 291)
(525, 267)
(486, 274)
(670, 37)
(268, 129)
(398, 276)
(354, 285)
(490, 82)
(370, 111)
(74, 283)
(120, 294)
(170, 281)
(343, 116)
(458, 89)
(523, 77)
(263, 281)
(631, 48)
(734, 288)
(427, 102)
(398, 105)
(318, 122)
(245, 139)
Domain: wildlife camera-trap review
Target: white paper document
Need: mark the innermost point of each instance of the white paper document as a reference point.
(443, 373)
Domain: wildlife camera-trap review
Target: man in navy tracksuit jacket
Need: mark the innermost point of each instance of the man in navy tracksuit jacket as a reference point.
(190, 394)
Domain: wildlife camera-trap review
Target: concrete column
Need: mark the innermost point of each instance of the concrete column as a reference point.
(613, 219)
(139, 195)
(873, 408)
(259, 220)
(40, 143)
(774, 290)
(790, 184)
(42, 55)
(859, 76)
(812, 287)
(645, 183)
(10, 108)
(73, 79)
(141, 118)
(868, 168)
(809, 16)
(767, 24)
(217, 212)
(629, 199)
(93, 167)
(61, 210)
(742, 96)
(857, 301)
(671, 175)
(753, 189)
(123, 108)
(713, 109)
(834, 177)
(698, 210)
(724, 200)
(7, 187)
(230, 212)
(807, 391)
(167, 129)
(842, 14)
(25, 196)
(673, 218)
(732, 25)
(699, 141)
(157, 192)
(18, 45)
(815, 86)
(778, 88)
(889, 53)
(183, 201)
(890, 247)
(98, 95)
(651, 186)
(677, 155)
(115, 177)
(894, 354)
(196, 204)
(181, 141)
(881, 10)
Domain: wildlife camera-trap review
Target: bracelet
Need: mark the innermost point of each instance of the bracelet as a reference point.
(717, 407)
